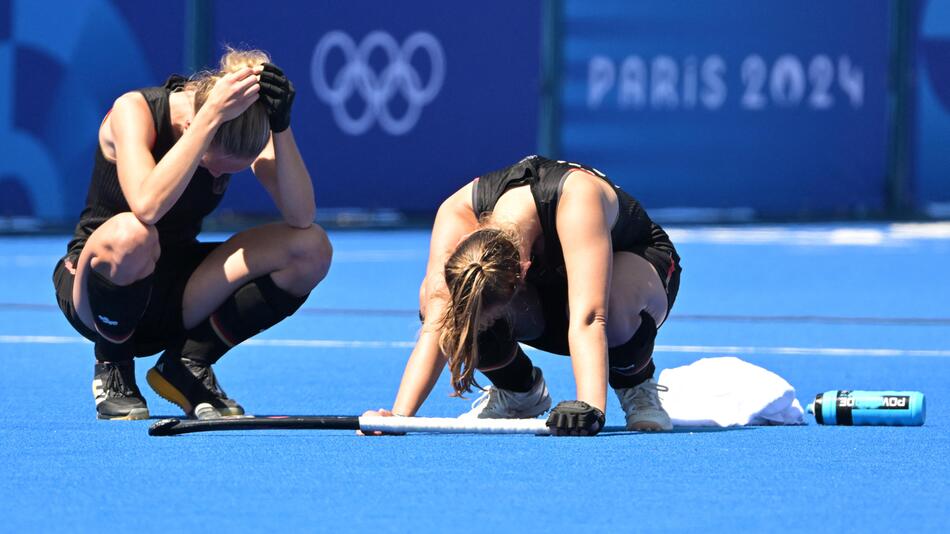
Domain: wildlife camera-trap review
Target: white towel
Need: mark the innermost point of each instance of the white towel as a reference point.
(728, 392)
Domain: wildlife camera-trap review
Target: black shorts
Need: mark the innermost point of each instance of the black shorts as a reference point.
(553, 294)
(162, 322)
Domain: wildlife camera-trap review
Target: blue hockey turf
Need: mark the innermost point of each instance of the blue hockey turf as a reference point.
(826, 307)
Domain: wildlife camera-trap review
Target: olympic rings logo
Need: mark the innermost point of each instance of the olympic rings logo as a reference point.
(376, 89)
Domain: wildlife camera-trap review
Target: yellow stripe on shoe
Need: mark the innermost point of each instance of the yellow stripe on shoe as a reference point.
(167, 391)
(134, 415)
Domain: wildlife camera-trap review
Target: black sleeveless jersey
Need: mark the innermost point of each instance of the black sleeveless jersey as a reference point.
(182, 223)
(633, 230)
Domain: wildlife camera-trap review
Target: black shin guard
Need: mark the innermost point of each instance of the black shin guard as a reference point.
(501, 359)
(117, 310)
(253, 308)
(632, 363)
(518, 375)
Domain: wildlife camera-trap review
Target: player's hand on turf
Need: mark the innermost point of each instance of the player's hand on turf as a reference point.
(575, 418)
(382, 412)
(278, 93)
(233, 93)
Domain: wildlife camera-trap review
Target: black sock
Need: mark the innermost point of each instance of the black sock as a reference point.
(113, 352)
(516, 376)
(618, 382)
(253, 308)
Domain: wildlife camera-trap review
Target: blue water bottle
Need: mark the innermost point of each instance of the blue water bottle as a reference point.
(892, 408)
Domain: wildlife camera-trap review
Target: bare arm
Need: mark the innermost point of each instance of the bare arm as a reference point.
(583, 224)
(281, 171)
(151, 188)
(454, 220)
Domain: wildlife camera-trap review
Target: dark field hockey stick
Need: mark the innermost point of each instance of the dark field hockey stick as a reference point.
(445, 425)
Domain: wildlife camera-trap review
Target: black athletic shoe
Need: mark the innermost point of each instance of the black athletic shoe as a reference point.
(117, 396)
(192, 386)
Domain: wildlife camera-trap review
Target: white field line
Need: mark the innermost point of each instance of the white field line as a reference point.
(888, 236)
(891, 235)
(722, 350)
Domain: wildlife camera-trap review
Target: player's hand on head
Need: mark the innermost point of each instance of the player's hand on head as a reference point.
(575, 418)
(233, 93)
(278, 94)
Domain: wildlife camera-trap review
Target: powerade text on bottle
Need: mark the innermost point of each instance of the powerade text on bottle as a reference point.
(895, 408)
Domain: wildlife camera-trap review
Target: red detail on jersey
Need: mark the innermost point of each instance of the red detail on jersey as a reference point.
(224, 335)
(669, 272)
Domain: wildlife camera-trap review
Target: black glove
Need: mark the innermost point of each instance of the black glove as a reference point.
(278, 94)
(575, 418)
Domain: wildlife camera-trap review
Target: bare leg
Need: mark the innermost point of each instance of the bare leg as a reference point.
(635, 286)
(110, 293)
(246, 285)
(638, 303)
(297, 260)
(122, 249)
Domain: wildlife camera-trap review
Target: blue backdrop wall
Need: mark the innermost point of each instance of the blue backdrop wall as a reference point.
(62, 64)
(933, 109)
(768, 108)
(398, 103)
(729, 109)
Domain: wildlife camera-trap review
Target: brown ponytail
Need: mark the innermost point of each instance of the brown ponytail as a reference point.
(248, 134)
(482, 272)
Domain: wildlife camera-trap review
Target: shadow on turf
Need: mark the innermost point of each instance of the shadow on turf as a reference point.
(620, 430)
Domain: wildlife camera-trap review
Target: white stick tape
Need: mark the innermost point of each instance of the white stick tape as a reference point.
(451, 425)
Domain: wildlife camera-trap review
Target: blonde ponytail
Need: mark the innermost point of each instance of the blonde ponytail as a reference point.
(234, 59)
(246, 135)
(482, 272)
